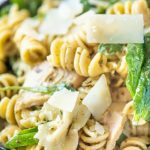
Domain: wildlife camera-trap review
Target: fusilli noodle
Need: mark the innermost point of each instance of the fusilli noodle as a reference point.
(135, 143)
(7, 108)
(7, 80)
(8, 132)
(90, 139)
(129, 7)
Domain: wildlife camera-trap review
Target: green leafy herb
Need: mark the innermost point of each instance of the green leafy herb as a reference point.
(24, 138)
(4, 10)
(121, 139)
(134, 58)
(86, 5)
(149, 148)
(110, 49)
(26, 131)
(40, 89)
(142, 96)
(32, 6)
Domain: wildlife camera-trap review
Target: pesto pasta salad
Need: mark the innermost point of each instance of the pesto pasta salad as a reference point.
(75, 75)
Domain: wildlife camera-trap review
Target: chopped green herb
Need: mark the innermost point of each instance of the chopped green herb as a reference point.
(110, 49)
(40, 89)
(86, 5)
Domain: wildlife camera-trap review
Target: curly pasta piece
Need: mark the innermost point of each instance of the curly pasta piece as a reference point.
(90, 139)
(86, 86)
(7, 80)
(135, 143)
(68, 57)
(139, 130)
(128, 7)
(8, 133)
(34, 147)
(7, 107)
(32, 51)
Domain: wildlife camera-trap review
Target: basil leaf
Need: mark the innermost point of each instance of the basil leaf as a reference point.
(86, 5)
(35, 129)
(32, 6)
(110, 49)
(142, 96)
(134, 58)
(22, 140)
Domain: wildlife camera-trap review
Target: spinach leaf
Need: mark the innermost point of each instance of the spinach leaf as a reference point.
(35, 129)
(142, 96)
(32, 5)
(110, 49)
(21, 140)
(134, 58)
(86, 5)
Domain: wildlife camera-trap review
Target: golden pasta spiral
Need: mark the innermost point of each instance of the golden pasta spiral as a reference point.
(7, 80)
(32, 51)
(139, 130)
(135, 143)
(8, 132)
(86, 86)
(35, 147)
(90, 139)
(65, 55)
(129, 7)
(7, 107)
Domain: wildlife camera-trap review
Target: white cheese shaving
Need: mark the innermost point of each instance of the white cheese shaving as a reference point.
(138, 123)
(59, 20)
(99, 128)
(99, 98)
(112, 28)
(65, 100)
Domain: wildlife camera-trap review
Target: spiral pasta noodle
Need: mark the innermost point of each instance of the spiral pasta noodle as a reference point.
(90, 139)
(129, 7)
(8, 132)
(32, 51)
(135, 143)
(7, 109)
(7, 80)
(68, 57)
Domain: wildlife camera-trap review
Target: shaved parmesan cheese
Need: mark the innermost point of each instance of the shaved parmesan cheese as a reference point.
(99, 128)
(59, 20)
(112, 28)
(99, 98)
(65, 100)
(115, 29)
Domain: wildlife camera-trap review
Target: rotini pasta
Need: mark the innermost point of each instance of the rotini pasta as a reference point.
(90, 138)
(69, 57)
(129, 7)
(32, 51)
(7, 80)
(135, 143)
(7, 107)
(8, 132)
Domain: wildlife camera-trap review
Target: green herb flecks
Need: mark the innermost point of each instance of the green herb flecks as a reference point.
(24, 138)
(110, 49)
(39, 89)
(121, 139)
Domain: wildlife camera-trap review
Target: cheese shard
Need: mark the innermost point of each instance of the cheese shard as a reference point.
(115, 29)
(64, 100)
(98, 99)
